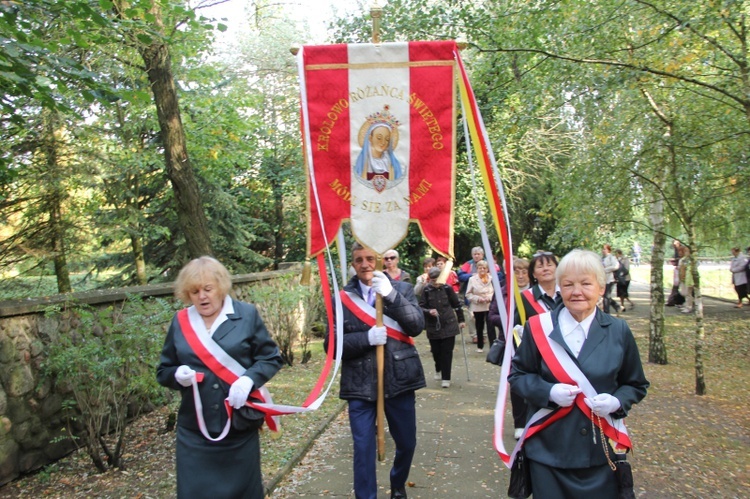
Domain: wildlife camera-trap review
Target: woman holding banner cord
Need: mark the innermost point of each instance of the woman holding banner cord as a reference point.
(218, 450)
(580, 372)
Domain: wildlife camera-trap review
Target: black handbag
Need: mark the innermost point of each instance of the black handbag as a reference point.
(495, 355)
(520, 477)
(247, 419)
(624, 477)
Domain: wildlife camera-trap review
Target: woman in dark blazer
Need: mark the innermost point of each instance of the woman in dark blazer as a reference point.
(566, 456)
(209, 464)
(543, 293)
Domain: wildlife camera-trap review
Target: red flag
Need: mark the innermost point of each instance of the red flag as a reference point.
(380, 121)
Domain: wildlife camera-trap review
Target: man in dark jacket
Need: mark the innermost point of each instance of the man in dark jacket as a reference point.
(403, 373)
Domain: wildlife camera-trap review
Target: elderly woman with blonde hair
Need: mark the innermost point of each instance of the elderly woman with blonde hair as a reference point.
(217, 353)
(580, 372)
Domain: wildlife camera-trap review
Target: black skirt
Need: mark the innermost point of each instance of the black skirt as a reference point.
(572, 483)
(228, 469)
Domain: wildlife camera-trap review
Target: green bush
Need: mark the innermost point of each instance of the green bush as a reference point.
(289, 311)
(106, 359)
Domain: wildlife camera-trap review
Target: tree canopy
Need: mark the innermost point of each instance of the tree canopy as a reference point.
(610, 122)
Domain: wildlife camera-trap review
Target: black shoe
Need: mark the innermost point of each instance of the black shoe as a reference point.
(398, 493)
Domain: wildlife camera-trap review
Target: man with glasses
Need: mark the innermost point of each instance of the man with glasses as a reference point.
(390, 262)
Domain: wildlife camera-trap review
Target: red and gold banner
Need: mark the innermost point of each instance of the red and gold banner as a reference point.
(378, 125)
(381, 153)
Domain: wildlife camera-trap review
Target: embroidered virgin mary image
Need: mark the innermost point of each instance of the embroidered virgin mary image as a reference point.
(376, 164)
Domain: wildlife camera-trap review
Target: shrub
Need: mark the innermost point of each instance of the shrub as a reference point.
(107, 360)
(289, 311)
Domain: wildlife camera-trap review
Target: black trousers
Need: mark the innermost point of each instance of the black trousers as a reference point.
(442, 354)
(480, 319)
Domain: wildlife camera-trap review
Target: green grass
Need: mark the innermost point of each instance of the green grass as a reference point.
(716, 280)
(278, 448)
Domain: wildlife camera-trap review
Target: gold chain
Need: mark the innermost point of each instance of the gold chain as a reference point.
(604, 440)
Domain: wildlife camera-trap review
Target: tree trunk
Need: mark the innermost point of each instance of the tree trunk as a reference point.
(657, 350)
(54, 207)
(278, 231)
(191, 217)
(133, 202)
(140, 261)
(58, 244)
(700, 329)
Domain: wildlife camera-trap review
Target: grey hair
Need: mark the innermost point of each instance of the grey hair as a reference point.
(395, 253)
(579, 262)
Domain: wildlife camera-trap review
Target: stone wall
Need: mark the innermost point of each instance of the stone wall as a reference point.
(30, 407)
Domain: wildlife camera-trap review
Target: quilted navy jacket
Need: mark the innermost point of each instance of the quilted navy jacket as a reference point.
(403, 369)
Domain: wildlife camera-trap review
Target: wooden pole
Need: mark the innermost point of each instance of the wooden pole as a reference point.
(380, 358)
(376, 13)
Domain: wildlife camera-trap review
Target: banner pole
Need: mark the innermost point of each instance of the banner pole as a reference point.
(376, 12)
(380, 357)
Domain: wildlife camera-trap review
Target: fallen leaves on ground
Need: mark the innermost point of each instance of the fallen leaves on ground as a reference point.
(686, 445)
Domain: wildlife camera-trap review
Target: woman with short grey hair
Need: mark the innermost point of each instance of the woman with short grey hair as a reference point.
(580, 372)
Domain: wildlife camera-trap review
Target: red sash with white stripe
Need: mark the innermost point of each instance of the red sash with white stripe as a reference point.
(529, 294)
(227, 369)
(366, 313)
(565, 370)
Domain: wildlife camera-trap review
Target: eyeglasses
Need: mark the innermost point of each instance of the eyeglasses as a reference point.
(389, 258)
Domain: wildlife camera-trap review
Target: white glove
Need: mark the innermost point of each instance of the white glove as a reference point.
(603, 404)
(518, 330)
(239, 391)
(381, 284)
(184, 375)
(377, 335)
(563, 394)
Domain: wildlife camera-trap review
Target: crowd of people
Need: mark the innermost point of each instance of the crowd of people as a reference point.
(572, 359)
(571, 295)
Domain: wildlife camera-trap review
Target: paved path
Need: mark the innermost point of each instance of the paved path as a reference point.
(454, 455)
